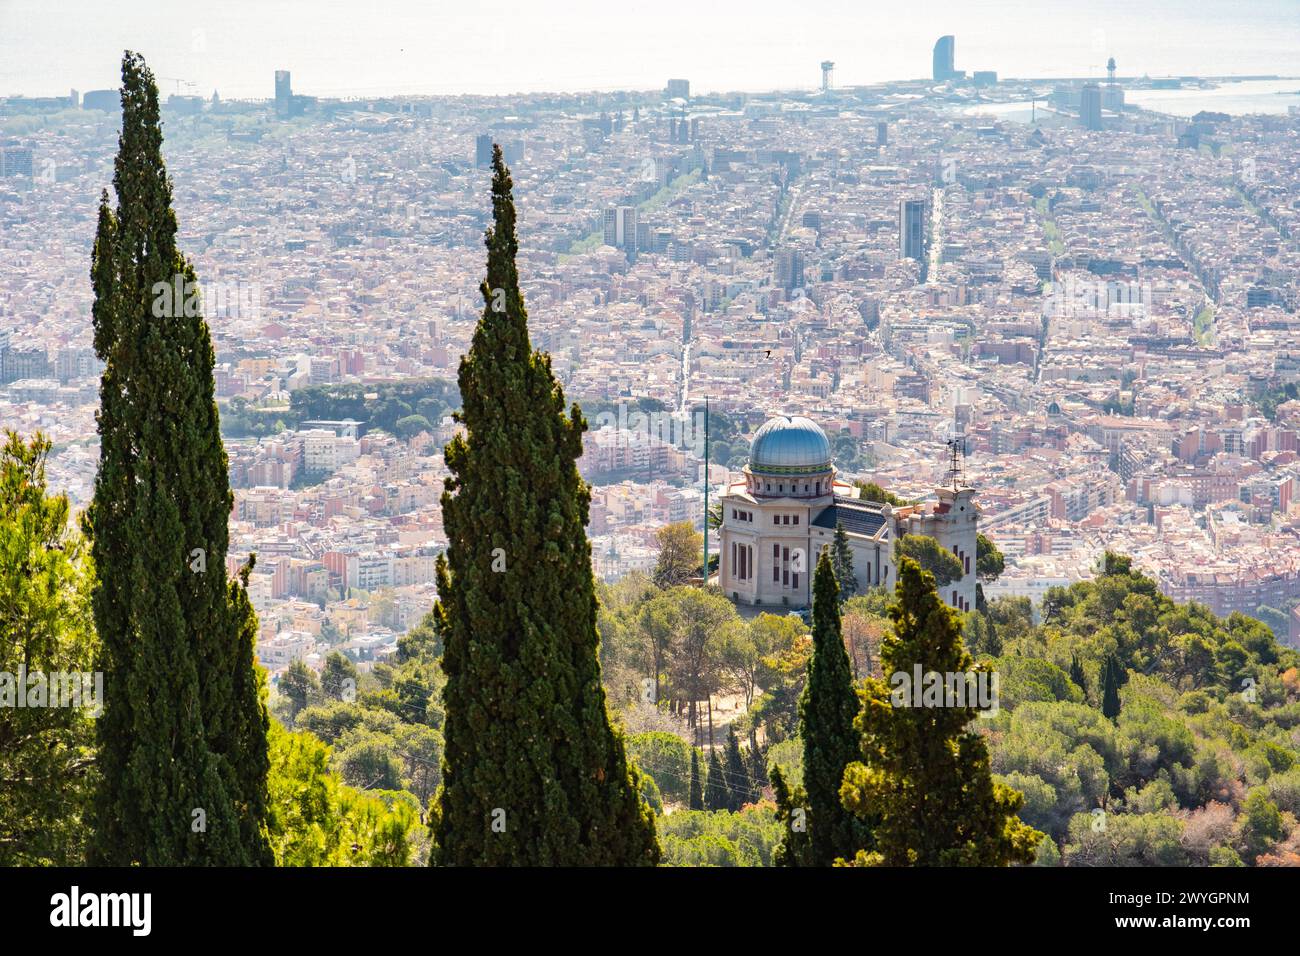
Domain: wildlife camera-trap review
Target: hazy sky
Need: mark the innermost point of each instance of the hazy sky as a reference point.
(344, 47)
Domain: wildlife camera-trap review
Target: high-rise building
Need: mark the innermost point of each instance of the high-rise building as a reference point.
(28, 361)
(283, 94)
(74, 363)
(678, 88)
(944, 52)
(1090, 106)
(512, 152)
(107, 100)
(882, 134)
(911, 229)
(16, 161)
(483, 150)
(789, 269)
(620, 227)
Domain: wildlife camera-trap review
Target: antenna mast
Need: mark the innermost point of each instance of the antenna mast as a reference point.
(956, 451)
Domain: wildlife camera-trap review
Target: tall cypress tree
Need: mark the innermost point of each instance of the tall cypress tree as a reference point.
(827, 707)
(534, 773)
(757, 771)
(739, 789)
(1110, 681)
(842, 563)
(925, 775)
(695, 795)
(717, 796)
(182, 740)
(1077, 676)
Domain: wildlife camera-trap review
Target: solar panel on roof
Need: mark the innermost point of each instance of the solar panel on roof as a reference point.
(865, 521)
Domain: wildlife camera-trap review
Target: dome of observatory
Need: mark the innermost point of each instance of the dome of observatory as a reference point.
(790, 446)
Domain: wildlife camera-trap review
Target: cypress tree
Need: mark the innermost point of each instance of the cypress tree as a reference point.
(757, 771)
(925, 775)
(792, 814)
(738, 784)
(1110, 681)
(534, 773)
(827, 707)
(182, 754)
(1077, 675)
(695, 797)
(717, 796)
(842, 562)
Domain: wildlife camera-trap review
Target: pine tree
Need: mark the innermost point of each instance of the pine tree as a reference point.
(737, 774)
(334, 679)
(182, 755)
(46, 760)
(1110, 681)
(300, 686)
(925, 774)
(695, 797)
(534, 773)
(716, 794)
(827, 707)
(842, 562)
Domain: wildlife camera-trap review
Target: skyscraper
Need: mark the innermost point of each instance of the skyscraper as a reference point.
(678, 88)
(283, 94)
(621, 228)
(944, 51)
(911, 229)
(789, 269)
(483, 150)
(1090, 106)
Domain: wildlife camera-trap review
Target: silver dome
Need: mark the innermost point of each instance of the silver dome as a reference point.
(790, 446)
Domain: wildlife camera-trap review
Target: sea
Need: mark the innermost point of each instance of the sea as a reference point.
(345, 48)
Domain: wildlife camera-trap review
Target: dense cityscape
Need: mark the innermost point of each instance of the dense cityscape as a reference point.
(1100, 299)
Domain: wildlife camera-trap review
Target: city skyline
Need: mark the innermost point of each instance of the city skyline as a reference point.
(724, 49)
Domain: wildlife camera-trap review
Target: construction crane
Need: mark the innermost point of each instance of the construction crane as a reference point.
(178, 81)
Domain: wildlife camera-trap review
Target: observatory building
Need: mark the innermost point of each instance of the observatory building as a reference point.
(777, 520)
